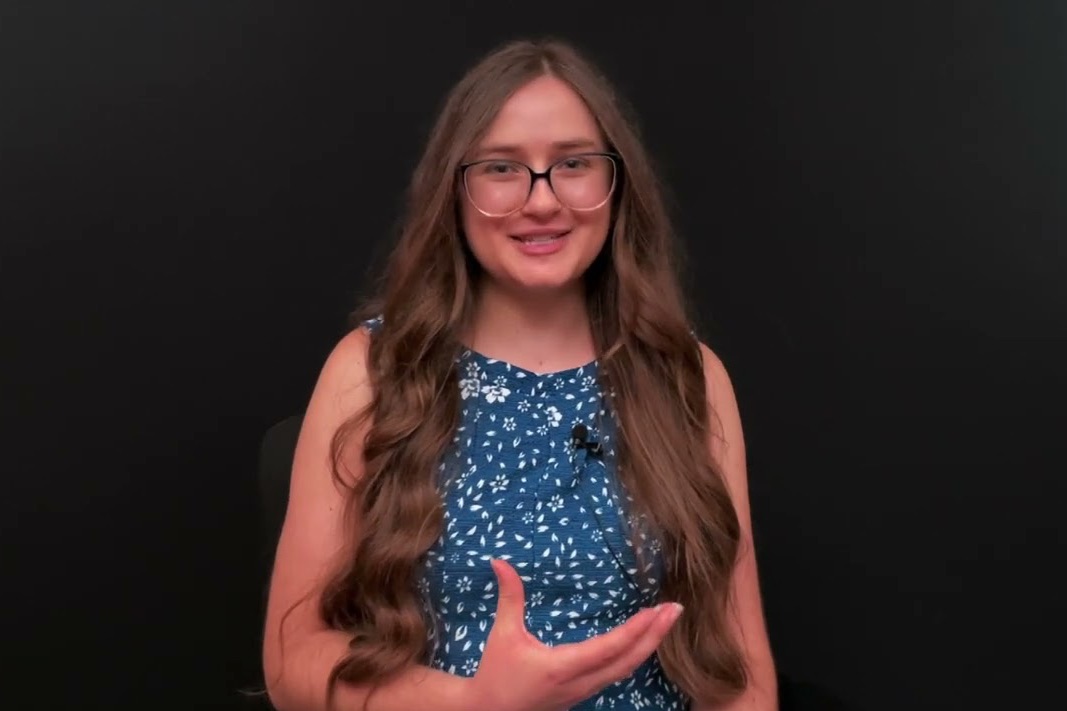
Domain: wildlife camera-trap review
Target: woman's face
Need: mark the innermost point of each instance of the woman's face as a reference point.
(548, 240)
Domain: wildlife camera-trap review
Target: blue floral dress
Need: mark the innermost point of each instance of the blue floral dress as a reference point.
(516, 488)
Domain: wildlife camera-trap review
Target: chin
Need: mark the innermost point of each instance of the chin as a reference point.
(546, 277)
(542, 285)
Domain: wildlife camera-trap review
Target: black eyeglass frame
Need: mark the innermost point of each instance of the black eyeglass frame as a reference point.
(616, 163)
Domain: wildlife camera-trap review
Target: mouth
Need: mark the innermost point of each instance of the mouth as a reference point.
(540, 239)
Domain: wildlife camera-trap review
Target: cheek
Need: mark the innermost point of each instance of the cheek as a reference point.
(481, 232)
(479, 227)
(596, 227)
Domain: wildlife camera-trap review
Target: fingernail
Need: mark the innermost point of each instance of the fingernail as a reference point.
(674, 610)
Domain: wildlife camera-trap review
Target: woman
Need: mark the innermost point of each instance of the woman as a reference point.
(522, 487)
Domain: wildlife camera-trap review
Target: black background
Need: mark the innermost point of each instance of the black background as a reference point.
(192, 195)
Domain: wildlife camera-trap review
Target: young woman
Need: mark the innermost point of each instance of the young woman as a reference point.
(521, 485)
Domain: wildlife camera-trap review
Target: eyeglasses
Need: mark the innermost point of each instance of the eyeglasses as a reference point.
(498, 188)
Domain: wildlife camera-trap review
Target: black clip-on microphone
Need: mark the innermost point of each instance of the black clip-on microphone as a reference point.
(580, 440)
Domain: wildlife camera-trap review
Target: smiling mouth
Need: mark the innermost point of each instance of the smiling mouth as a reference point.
(540, 239)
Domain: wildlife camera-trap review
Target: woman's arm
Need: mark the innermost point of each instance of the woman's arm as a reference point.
(728, 448)
(300, 652)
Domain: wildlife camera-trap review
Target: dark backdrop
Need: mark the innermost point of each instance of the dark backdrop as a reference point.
(873, 198)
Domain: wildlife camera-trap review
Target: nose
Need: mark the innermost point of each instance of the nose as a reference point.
(542, 199)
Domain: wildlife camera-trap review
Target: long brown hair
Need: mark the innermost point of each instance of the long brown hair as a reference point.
(649, 362)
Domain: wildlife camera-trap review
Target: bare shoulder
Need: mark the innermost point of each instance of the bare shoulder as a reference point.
(313, 527)
(343, 389)
(715, 374)
(727, 441)
(344, 374)
(718, 385)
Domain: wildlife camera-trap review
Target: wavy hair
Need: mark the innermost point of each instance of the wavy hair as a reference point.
(648, 358)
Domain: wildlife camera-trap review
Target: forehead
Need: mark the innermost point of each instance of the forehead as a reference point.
(543, 113)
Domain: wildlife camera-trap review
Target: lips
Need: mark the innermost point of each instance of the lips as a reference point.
(541, 242)
(540, 237)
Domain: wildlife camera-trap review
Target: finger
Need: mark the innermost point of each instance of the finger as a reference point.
(511, 599)
(581, 658)
(624, 664)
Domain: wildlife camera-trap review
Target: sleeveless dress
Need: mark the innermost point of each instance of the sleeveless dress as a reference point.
(517, 488)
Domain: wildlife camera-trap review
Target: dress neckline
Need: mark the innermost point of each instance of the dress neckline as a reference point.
(499, 363)
(468, 353)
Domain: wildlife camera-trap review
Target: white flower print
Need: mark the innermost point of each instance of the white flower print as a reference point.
(555, 503)
(463, 584)
(508, 424)
(553, 415)
(499, 484)
(497, 392)
(524, 405)
(468, 387)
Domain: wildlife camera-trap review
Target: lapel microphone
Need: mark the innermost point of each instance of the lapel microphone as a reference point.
(580, 440)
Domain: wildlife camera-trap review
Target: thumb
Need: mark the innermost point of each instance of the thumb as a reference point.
(511, 599)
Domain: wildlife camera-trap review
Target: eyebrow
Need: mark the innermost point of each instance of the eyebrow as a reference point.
(510, 149)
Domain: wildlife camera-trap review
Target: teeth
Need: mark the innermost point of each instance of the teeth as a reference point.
(539, 240)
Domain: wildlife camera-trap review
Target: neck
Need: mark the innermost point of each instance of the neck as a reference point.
(546, 330)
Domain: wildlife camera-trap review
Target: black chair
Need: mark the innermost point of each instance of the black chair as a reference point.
(276, 451)
(275, 465)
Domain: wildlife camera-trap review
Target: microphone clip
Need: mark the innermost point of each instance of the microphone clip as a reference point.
(580, 440)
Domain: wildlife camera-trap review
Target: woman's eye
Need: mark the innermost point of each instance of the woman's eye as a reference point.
(574, 163)
(501, 168)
